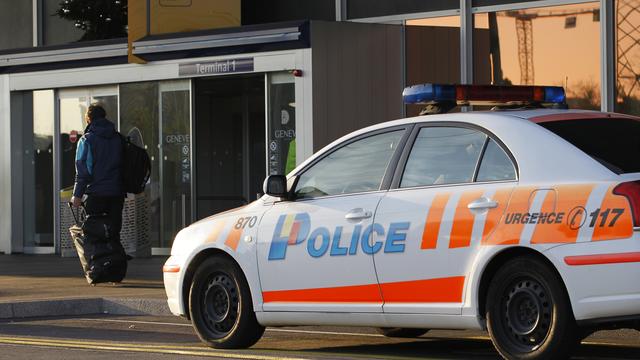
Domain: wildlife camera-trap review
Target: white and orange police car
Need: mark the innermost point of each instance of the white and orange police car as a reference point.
(525, 222)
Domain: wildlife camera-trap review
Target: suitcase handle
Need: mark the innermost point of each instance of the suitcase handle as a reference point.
(76, 218)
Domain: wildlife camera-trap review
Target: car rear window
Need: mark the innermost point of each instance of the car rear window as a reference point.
(615, 143)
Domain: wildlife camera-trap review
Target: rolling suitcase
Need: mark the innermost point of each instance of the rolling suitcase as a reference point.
(103, 258)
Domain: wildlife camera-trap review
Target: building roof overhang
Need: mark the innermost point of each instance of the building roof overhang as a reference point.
(237, 40)
(72, 55)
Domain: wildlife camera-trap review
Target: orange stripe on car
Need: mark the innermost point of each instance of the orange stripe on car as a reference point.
(448, 289)
(567, 204)
(463, 220)
(215, 232)
(542, 232)
(509, 234)
(233, 239)
(614, 220)
(341, 294)
(432, 223)
(424, 291)
(494, 215)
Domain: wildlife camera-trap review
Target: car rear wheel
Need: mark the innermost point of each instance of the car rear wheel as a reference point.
(220, 306)
(528, 312)
(395, 332)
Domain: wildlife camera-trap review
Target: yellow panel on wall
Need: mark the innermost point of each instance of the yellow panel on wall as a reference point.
(137, 26)
(172, 16)
(168, 16)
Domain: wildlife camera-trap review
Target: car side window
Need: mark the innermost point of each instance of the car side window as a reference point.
(443, 155)
(496, 165)
(356, 167)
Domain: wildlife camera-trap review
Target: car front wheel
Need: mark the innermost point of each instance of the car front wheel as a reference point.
(528, 312)
(220, 306)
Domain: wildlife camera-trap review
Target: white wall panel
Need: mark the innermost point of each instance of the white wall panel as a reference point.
(5, 165)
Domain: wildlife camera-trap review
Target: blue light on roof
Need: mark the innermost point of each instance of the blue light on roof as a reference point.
(427, 93)
(554, 94)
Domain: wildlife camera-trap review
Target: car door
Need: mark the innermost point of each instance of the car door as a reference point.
(313, 251)
(445, 202)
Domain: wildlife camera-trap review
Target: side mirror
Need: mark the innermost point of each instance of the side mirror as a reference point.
(276, 186)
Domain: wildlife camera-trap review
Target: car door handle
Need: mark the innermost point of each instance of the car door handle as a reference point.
(482, 203)
(358, 214)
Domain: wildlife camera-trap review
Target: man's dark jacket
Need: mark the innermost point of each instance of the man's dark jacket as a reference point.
(99, 161)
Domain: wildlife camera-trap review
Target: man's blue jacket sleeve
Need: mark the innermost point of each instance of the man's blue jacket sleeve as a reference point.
(84, 167)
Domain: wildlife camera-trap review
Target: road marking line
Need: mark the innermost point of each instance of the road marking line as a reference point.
(136, 322)
(316, 332)
(600, 343)
(210, 353)
(213, 353)
(597, 343)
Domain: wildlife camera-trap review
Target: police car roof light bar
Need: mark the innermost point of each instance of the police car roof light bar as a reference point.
(483, 94)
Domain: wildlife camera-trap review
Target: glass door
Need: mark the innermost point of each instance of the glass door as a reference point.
(282, 123)
(175, 152)
(229, 142)
(156, 116)
(38, 209)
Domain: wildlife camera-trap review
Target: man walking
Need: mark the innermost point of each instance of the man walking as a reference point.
(99, 169)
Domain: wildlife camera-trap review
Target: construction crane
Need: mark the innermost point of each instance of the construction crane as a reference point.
(524, 30)
(628, 46)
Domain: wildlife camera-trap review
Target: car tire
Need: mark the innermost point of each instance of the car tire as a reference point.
(528, 312)
(220, 306)
(395, 332)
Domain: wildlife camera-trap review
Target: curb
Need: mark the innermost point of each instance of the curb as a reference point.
(86, 306)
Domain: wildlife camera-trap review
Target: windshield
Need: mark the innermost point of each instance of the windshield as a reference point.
(614, 142)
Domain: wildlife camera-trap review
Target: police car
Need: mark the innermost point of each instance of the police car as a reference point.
(523, 220)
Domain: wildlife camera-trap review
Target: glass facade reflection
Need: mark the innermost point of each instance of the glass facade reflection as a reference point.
(628, 56)
(55, 30)
(557, 45)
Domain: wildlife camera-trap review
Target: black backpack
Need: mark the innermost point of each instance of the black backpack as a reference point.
(136, 166)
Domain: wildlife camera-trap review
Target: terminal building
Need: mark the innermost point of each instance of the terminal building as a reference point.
(224, 93)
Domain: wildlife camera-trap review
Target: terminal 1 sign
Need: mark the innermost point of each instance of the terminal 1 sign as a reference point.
(219, 67)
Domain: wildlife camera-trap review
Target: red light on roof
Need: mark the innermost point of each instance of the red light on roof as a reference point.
(492, 94)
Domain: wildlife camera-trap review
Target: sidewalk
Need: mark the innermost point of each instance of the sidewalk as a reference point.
(48, 285)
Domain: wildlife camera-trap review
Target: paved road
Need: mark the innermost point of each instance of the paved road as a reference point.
(127, 338)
